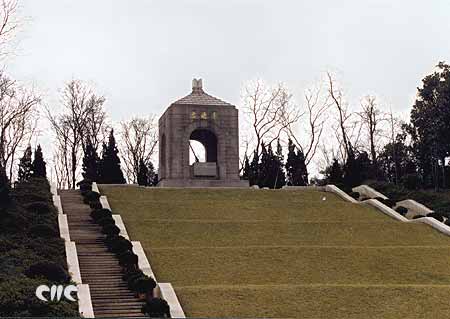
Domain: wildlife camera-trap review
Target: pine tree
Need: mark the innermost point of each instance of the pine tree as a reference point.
(25, 166)
(301, 177)
(264, 167)
(352, 171)
(335, 174)
(142, 177)
(4, 187)
(280, 176)
(291, 164)
(152, 177)
(39, 165)
(246, 168)
(296, 167)
(253, 174)
(90, 163)
(109, 168)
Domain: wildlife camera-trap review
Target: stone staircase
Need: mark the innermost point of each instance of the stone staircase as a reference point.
(99, 268)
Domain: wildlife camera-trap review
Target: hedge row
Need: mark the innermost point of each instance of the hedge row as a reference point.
(141, 284)
(32, 252)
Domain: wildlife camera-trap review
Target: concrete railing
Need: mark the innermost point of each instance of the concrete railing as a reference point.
(119, 223)
(392, 213)
(104, 202)
(165, 290)
(336, 190)
(168, 293)
(84, 301)
(385, 209)
(63, 227)
(368, 192)
(95, 187)
(143, 263)
(84, 296)
(295, 188)
(414, 208)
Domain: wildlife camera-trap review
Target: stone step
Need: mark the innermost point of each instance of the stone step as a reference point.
(117, 312)
(113, 296)
(115, 306)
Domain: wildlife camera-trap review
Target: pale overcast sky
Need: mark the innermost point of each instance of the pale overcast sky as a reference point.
(142, 54)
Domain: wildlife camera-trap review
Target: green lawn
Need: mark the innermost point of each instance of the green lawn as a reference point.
(254, 253)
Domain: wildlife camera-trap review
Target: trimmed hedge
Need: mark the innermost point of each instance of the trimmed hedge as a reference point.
(31, 252)
(156, 308)
(43, 230)
(39, 207)
(119, 245)
(110, 230)
(95, 205)
(128, 259)
(144, 284)
(90, 196)
(100, 213)
(48, 270)
(106, 221)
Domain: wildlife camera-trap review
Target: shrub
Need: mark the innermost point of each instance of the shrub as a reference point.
(418, 216)
(50, 271)
(85, 187)
(133, 279)
(128, 259)
(156, 308)
(38, 207)
(144, 284)
(108, 220)
(411, 181)
(436, 216)
(91, 196)
(110, 230)
(354, 195)
(132, 273)
(401, 210)
(120, 245)
(95, 205)
(42, 230)
(128, 273)
(100, 213)
(85, 181)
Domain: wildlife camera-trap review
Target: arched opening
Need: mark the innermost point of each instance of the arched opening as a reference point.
(203, 153)
(209, 141)
(197, 152)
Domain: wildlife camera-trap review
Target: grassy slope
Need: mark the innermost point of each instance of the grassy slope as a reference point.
(285, 253)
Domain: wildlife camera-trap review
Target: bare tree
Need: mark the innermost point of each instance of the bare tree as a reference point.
(83, 118)
(317, 105)
(18, 116)
(9, 24)
(268, 110)
(139, 138)
(372, 119)
(344, 117)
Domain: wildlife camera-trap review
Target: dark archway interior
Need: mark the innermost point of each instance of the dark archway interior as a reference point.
(209, 141)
